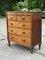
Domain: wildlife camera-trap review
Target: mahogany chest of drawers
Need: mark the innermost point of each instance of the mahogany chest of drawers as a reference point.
(24, 28)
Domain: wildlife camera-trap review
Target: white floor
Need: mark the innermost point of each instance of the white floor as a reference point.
(16, 52)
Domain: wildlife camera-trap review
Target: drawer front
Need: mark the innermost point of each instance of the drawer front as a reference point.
(20, 39)
(24, 18)
(23, 32)
(19, 24)
(11, 17)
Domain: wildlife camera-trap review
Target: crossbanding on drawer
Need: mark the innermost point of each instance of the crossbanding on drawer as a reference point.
(23, 32)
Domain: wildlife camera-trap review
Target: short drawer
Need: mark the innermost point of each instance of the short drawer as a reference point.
(19, 24)
(11, 17)
(24, 18)
(20, 39)
(23, 32)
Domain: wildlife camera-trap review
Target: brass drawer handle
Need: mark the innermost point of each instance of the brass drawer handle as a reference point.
(23, 40)
(23, 32)
(23, 25)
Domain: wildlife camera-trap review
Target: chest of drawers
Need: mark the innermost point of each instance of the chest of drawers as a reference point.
(24, 28)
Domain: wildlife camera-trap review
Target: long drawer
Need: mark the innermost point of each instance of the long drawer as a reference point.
(20, 39)
(20, 24)
(23, 32)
